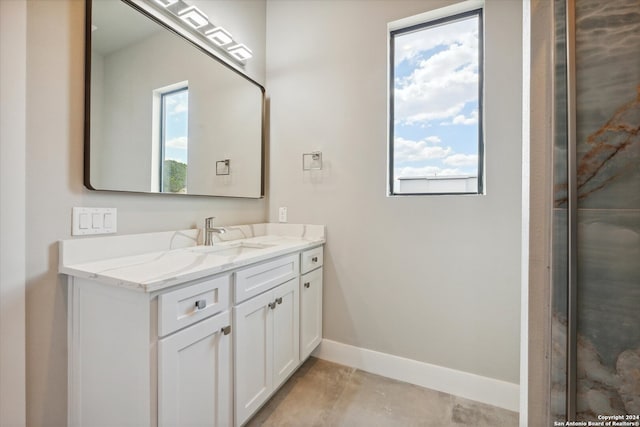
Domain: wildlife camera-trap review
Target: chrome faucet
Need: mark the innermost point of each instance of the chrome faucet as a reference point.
(209, 229)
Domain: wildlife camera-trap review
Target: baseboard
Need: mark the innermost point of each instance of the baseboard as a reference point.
(458, 383)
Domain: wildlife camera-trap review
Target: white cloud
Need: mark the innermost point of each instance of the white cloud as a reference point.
(440, 86)
(461, 160)
(406, 150)
(411, 44)
(461, 119)
(178, 104)
(180, 107)
(410, 171)
(433, 139)
(179, 142)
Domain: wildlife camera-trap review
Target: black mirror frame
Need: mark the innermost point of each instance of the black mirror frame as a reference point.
(87, 104)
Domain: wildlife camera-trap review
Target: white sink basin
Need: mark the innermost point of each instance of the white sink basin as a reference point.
(231, 250)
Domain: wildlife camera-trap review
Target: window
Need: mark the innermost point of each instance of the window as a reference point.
(435, 123)
(174, 138)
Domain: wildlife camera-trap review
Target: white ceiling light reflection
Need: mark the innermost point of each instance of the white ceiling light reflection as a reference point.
(219, 36)
(240, 52)
(166, 3)
(197, 20)
(194, 17)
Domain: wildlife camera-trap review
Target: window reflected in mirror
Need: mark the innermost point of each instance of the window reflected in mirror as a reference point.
(174, 140)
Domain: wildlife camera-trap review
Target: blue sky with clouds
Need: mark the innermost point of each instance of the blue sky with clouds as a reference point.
(176, 126)
(436, 100)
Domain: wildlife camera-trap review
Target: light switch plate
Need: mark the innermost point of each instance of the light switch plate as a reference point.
(282, 214)
(93, 221)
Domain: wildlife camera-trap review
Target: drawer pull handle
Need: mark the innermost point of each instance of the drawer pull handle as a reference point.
(314, 259)
(307, 284)
(279, 300)
(200, 304)
(272, 305)
(226, 330)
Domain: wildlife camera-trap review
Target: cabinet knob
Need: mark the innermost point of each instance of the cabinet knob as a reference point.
(200, 304)
(226, 330)
(279, 300)
(272, 305)
(307, 284)
(314, 259)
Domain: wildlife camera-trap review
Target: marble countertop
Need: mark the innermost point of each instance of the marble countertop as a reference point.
(153, 261)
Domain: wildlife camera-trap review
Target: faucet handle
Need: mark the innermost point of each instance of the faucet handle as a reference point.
(208, 222)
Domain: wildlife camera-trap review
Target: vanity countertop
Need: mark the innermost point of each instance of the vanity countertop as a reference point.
(153, 261)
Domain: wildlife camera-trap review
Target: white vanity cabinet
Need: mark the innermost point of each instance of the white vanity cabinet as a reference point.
(310, 300)
(140, 359)
(194, 375)
(266, 336)
(190, 335)
(194, 381)
(277, 330)
(310, 312)
(194, 364)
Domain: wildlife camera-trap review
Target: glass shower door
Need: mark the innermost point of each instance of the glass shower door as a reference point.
(596, 354)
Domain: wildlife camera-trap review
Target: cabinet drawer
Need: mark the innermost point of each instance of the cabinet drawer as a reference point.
(311, 259)
(191, 304)
(254, 280)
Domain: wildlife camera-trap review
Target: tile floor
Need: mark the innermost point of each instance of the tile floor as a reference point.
(322, 393)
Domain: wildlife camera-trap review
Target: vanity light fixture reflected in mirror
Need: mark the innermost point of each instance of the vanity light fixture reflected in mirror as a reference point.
(197, 20)
(166, 3)
(219, 36)
(194, 17)
(240, 52)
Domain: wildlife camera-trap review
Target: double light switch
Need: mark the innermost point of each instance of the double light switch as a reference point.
(94, 221)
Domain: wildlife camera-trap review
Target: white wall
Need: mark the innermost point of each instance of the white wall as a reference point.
(54, 162)
(435, 279)
(13, 61)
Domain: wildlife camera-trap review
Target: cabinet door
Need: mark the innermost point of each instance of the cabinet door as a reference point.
(194, 381)
(253, 354)
(310, 312)
(286, 336)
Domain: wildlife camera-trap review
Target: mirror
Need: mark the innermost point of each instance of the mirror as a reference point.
(162, 114)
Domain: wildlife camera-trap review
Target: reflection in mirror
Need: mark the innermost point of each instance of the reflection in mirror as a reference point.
(174, 139)
(163, 113)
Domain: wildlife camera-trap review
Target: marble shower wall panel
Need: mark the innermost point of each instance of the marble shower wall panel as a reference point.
(559, 310)
(609, 281)
(560, 167)
(608, 103)
(608, 147)
(559, 264)
(559, 221)
(608, 313)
